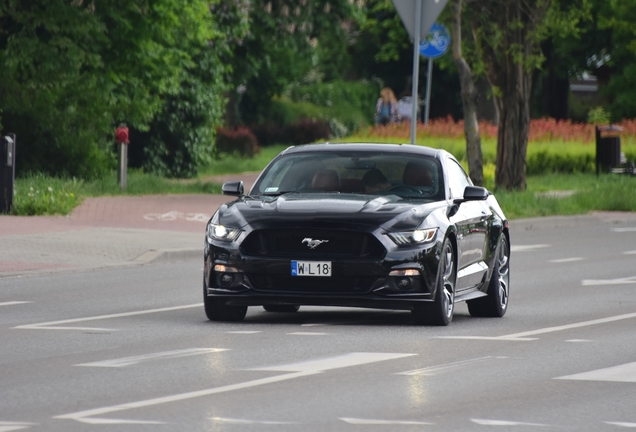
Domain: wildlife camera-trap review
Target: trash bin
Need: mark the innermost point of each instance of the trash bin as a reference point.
(608, 147)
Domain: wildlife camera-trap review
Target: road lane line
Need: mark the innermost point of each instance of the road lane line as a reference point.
(484, 422)
(619, 281)
(14, 426)
(566, 260)
(523, 336)
(53, 325)
(106, 421)
(528, 248)
(622, 373)
(129, 361)
(358, 421)
(307, 334)
(622, 424)
(11, 303)
(249, 422)
(298, 370)
(337, 362)
(569, 326)
(630, 252)
(245, 332)
(622, 230)
(433, 370)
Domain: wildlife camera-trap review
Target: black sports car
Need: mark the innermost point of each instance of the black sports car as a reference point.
(366, 225)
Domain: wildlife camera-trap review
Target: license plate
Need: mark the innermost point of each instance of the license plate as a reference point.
(311, 268)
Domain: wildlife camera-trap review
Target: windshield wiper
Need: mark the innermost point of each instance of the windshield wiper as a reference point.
(279, 193)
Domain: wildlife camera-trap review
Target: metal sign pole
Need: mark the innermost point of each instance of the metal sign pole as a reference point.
(416, 68)
(429, 79)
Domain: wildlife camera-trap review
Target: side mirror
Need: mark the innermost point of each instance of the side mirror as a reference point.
(234, 188)
(473, 193)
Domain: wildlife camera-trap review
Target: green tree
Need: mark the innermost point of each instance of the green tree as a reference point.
(281, 48)
(70, 70)
(508, 36)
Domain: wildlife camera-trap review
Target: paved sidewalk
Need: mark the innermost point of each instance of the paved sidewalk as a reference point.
(107, 231)
(111, 231)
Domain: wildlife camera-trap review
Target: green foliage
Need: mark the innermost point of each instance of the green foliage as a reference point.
(70, 71)
(598, 115)
(40, 194)
(280, 48)
(343, 116)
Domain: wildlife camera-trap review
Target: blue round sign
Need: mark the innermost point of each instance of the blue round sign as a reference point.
(436, 42)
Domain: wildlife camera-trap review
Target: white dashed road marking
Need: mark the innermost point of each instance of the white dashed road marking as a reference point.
(622, 424)
(11, 303)
(248, 422)
(505, 423)
(619, 281)
(55, 325)
(621, 230)
(129, 361)
(566, 260)
(435, 370)
(357, 421)
(245, 332)
(528, 248)
(524, 335)
(14, 426)
(622, 373)
(307, 334)
(578, 340)
(298, 370)
(630, 252)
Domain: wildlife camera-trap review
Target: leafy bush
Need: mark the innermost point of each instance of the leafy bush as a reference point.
(240, 141)
(306, 131)
(358, 95)
(285, 111)
(268, 133)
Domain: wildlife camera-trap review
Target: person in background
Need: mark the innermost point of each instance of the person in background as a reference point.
(386, 110)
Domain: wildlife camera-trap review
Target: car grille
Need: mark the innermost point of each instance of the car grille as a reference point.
(289, 244)
(331, 285)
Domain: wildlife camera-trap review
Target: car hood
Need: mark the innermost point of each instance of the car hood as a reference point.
(389, 212)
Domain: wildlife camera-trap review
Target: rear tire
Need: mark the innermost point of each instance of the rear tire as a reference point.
(218, 310)
(495, 304)
(440, 312)
(281, 308)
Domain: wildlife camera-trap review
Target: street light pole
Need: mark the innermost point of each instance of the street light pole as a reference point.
(416, 67)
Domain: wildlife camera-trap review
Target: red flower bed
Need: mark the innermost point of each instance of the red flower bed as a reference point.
(545, 129)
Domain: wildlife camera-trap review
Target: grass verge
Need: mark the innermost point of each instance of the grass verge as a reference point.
(39, 194)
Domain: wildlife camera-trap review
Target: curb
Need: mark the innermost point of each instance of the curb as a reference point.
(168, 255)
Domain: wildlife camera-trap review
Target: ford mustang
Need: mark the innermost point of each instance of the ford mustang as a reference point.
(358, 225)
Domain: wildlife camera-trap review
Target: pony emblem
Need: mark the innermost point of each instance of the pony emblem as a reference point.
(311, 243)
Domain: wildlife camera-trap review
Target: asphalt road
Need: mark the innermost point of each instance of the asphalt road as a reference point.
(131, 350)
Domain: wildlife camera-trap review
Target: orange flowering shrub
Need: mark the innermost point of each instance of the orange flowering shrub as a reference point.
(544, 129)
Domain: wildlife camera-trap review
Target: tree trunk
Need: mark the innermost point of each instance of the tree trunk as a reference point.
(508, 40)
(469, 101)
(513, 130)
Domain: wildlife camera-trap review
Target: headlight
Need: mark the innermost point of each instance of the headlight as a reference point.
(417, 237)
(223, 233)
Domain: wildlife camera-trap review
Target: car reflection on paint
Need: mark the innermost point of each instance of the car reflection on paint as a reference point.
(363, 225)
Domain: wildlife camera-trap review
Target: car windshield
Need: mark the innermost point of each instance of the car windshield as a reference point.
(408, 176)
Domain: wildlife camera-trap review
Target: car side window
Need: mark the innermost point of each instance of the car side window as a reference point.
(457, 179)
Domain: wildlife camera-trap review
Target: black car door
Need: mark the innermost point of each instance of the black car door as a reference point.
(471, 220)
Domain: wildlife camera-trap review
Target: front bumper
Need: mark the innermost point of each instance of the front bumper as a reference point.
(253, 281)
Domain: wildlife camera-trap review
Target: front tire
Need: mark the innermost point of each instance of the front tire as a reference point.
(440, 312)
(218, 310)
(495, 304)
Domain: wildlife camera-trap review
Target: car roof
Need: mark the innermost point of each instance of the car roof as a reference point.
(365, 147)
